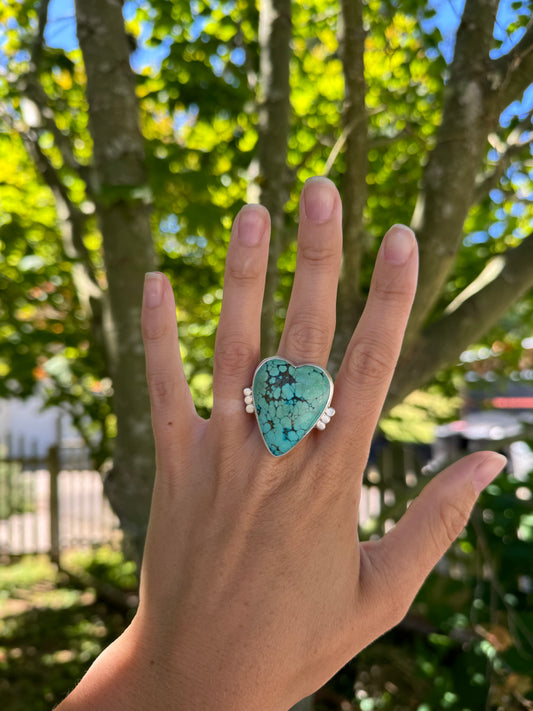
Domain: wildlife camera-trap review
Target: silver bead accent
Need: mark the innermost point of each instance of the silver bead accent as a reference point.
(325, 419)
(250, 408)
(320, 425)
(247, 391)
(330, 412)
(248, 400)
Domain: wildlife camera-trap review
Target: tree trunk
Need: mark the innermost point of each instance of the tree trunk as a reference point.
(123, 209)
(275, 33)
(354, 191)
(509, 276)
(449, 179)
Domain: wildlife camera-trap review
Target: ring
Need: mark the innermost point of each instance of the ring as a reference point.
(289, 401)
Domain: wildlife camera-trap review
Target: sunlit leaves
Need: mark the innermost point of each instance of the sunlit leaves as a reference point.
(197, 69)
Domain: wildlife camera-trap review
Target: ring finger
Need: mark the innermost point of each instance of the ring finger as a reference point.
(237, 347)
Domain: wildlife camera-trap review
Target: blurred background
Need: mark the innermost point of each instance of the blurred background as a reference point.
(130, 136)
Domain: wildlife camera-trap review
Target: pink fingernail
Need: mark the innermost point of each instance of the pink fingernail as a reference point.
(487, 471)
(153, 289)
(252, 224)
(398, 244)
(319, 199)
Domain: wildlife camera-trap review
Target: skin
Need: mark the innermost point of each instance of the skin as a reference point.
(255, 588)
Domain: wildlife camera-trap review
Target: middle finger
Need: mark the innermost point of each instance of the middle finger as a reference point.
(310, 323)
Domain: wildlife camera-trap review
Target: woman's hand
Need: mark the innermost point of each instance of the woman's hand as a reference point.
(255, 589)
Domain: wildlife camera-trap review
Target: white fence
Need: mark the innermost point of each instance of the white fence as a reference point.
(46, 508)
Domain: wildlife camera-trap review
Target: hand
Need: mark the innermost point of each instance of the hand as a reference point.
(255, 589)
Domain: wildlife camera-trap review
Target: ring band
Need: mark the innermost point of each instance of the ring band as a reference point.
(289, 401)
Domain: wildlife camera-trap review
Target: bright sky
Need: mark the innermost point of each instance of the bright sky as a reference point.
(61, 32)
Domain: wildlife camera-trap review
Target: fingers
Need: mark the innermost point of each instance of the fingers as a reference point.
(398, 564)
(370, 359)
(310, 322)
(237, 349)
(173, 411)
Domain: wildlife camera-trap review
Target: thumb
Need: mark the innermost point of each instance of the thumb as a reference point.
(405, 555)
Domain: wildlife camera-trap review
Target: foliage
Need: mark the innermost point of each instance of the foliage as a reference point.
(14, 498)
(197, 72)
(106, 565)
(415, 418)
(467, 642)
(51, 633)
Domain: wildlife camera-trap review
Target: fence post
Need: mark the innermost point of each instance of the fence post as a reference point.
(53, 468)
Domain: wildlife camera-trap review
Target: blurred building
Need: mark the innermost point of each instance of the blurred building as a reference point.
(495, 417)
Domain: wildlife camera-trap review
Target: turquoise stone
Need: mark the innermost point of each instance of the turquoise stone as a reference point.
(288, 401)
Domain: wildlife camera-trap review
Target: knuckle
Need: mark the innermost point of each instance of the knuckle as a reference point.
(305, 335)
(451, 519)
(369, 361)
(154, 331)
(319, 254)
(391, 293)
(233, 355)
(244, 271)
(161, 386)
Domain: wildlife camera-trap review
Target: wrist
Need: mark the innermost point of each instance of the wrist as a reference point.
(131, 675)
(111, 682)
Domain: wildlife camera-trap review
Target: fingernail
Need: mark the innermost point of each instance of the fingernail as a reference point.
(487, 471)
(252, 224)
(153, 289)
(319, 199)
(399, 243)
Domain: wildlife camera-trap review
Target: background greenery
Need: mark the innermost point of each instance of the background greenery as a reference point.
(213, 111)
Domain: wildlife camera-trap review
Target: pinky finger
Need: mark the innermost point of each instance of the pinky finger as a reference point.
(173, 411)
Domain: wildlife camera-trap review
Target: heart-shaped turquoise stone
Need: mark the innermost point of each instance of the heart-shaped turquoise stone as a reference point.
(289, 400)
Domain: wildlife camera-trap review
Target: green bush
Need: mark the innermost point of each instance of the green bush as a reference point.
(15, 498)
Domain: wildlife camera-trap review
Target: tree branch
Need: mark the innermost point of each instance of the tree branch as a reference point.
(513, 146)
(383, 141)
(31, 89)
(72, 222)
(512, 73)
(37, 44)
(491, 180)
(358, 121)
(275, 33)
(449, 178)
(354, 191)
(501, 283)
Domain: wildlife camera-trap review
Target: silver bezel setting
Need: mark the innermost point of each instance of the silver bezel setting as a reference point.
(322, 421)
